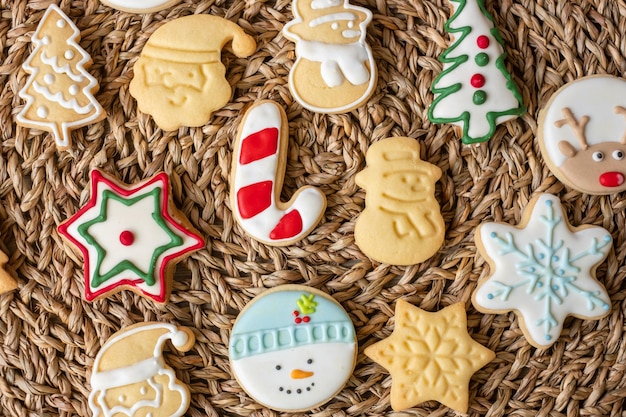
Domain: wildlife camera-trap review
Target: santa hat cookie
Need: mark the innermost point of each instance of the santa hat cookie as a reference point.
(130, 377)
(179, 78)
(293, 348)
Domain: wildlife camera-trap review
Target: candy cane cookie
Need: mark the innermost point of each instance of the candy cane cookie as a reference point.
(259, 160)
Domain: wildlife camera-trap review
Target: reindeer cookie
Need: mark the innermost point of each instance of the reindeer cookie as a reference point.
(401, 223)
(582, 134)
(334, 71)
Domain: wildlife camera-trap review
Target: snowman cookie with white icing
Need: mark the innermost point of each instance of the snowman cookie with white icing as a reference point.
(293, 348)
(582, 134)
(335, 70)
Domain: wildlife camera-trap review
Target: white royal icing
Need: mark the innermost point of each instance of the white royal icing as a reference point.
(310, 202)
(544, 270)
(144, 370)
(140, 5)
(95, 112)
(337, 60)
(595, 97)
(499, 97)
(258, 374)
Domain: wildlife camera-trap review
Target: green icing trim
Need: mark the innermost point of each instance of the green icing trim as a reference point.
(306, 305)
(441, 93)
(148, 277)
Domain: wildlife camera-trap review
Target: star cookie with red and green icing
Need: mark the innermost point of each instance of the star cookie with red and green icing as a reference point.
(131, 237)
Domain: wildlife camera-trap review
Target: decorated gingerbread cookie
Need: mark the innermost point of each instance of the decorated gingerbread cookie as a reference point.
(130, 377)
(59, 91)
(334, 70)
(259, 159)
(474, 91)
(582, 134)
(179, 79)
(402, 222)
(544, 270)
(292, 348)
(430, 356)
(140, 6)
(131, 237)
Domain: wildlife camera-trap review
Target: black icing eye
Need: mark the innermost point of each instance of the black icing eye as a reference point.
(278, 367)
(310, 361)
(597, 156)
(618, 155)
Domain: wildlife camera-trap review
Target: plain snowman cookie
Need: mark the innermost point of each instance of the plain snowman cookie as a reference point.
(335, 70)
(293, 348)
(543, 269)
(582, 134)
(402, 222)
(130, 377)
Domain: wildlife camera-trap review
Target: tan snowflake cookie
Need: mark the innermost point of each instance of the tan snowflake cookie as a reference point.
(430, 356)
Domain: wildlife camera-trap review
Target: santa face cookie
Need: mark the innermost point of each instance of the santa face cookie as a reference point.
(259, 159)
(544, 270)
(131, 237)
(582, 134)
(334, 71)
(293, 348)
(130, 377)
(59, 92)
(402, 222)
(179, 79)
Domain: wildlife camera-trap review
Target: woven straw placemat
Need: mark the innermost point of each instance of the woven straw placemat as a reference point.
(49, 335)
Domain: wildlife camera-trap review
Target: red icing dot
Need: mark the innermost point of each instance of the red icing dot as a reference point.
(478, 80)
(306, 319)
(482, 41)
(298, 320)
(296, 313)
(127, 238)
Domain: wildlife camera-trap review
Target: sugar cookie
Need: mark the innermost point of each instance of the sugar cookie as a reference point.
(139, 6)
(334, 70)
(259, 159)
(183, 83)
(474, 91)
(402, 222)
(59, 90)
(130, 377)
(430, 356)
(7, 282)
(131, 237)
(292, 348)
(543, 269)
(582, 134)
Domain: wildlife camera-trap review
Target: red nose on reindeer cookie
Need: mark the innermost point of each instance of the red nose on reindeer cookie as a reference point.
(259, 159)
(582, 134)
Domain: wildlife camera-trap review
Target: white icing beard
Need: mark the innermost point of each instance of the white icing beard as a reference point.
(595, 97)
(267, 377)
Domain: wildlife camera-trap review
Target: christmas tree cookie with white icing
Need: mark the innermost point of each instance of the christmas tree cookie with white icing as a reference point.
(334, 70)
(474, 91)
(292, 348)
(543, 269)
(59, 91)
(582, 134)
(131, 237)
(130, 377)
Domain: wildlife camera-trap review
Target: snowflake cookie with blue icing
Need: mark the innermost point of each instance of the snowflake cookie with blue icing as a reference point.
(543, 269)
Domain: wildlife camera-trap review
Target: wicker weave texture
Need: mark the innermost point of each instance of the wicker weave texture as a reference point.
(49, 335)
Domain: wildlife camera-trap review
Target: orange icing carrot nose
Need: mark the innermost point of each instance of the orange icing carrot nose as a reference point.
(300, 374)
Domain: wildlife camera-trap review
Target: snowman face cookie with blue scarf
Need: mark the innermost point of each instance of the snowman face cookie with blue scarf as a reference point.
(293, 348)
